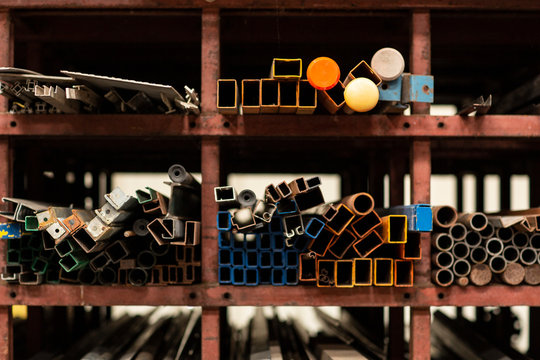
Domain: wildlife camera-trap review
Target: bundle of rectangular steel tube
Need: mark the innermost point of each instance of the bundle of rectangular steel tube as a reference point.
(292, 236)
(279, 338)
(30, 92)
(285, 91)
(151, 239)
(474, 248)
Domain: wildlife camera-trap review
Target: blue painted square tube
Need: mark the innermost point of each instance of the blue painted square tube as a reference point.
(252, 277)
(278, 277)
(225, 275)
(238, 275)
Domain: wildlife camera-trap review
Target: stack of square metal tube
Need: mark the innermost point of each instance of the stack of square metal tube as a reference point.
(150, 239)
(30, 92)
(472, 248)
(293, 236)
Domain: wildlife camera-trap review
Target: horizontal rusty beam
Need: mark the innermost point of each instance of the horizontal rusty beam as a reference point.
(272, 4)
(496, 126)
(213, 295)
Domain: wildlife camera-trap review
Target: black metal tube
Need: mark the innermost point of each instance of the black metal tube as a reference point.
(458, 232)
(138, 277)
(107, 276)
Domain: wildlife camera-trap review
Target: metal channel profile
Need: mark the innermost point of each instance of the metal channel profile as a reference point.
(227, 96)
(480, 106)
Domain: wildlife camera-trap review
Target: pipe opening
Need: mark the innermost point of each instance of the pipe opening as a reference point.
(479, 221)
(146, 260)
(488, 232)
(446, 216)
(137, 277)
(458, 231)
(227, 93)
(528, 256)
(107, 276)
(494, 246)
(461, 250)
(505, 234)
(444, 259)
(520, 239)
(473, 238)
(497, 264)
(511, 254)
(479, 255)
(363, 203)
(444, 277)
(535, 241)
(444, 242)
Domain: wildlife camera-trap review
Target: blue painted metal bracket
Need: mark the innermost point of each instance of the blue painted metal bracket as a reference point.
(391, 90)
(417, 88)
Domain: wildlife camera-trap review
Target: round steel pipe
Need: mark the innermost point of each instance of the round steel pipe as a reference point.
(442, 242)
(444, 216)
(146, 260)
(520, 240)
(479, 255)
(497, 264)
(480, 275)
(511, 254)
(460, 250)
(473, 239)
(461, 267)
(247, 198)
(442, 277)
(443, 259)
(458, 232)
(159, 250)
(360, 203)
(494, 246)
(137, 277)
(462, 281)
(87, 276)
(504, 234)
(178, 174)
(473, 221)
(532, 274)
(140, 227)
(514, 274)
(528, 256)
(534, 241)
(107, 276)
(488, 232)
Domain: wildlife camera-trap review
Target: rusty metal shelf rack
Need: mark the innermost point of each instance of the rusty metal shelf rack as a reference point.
(420, 131)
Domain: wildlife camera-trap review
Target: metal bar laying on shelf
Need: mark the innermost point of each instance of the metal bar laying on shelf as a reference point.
(286, 69)
(403, 273)
(270, 96)
(307, 98)
(251, 99)
(342, 243)
(343, 217)
(363, 225)
(479, 105)
(227, 96)
(326, 273)
(362, 69)
(333, 99)
(394, 229)
(444, 216)
(383, 272)
(307, 267)
(412, 249)
(344, 273)
(85, 95)
(321, 243)
(288, 97)
(56, 96)
(368, 244)
(22, 209)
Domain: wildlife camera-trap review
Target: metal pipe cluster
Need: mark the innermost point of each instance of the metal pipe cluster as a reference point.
(473, 248)
(30, 92)
(292, 236)
(150, 239)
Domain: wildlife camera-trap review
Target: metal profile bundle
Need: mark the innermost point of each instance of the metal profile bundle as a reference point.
(285, 92)
(33, 93)
(291, 235)
(478, 249)
(151, 239)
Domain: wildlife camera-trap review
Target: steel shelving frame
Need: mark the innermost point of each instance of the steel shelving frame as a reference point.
(420, 129)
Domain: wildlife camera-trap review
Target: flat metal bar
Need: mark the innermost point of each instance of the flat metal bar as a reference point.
(271, 4)
(110, 125)
(210, 167)
(214, 295)
(210, 333)
(420, 334)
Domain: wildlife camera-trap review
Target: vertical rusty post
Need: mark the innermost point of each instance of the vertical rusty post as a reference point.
(210, 333)
(210, 56)
(210, 169)
(6, 173)
(420, 54)
(420, 168)
(396, 325)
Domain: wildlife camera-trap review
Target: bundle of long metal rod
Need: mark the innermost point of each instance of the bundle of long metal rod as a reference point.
(30, 92)
(286, 92)
(473, 248)
(285, 338)
(457, 339)
(150, 239)
(151, 336)
(292, 236)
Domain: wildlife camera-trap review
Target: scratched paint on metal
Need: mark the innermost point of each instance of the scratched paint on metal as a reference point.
(417, 88)
(10, 231)
(391, 90)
